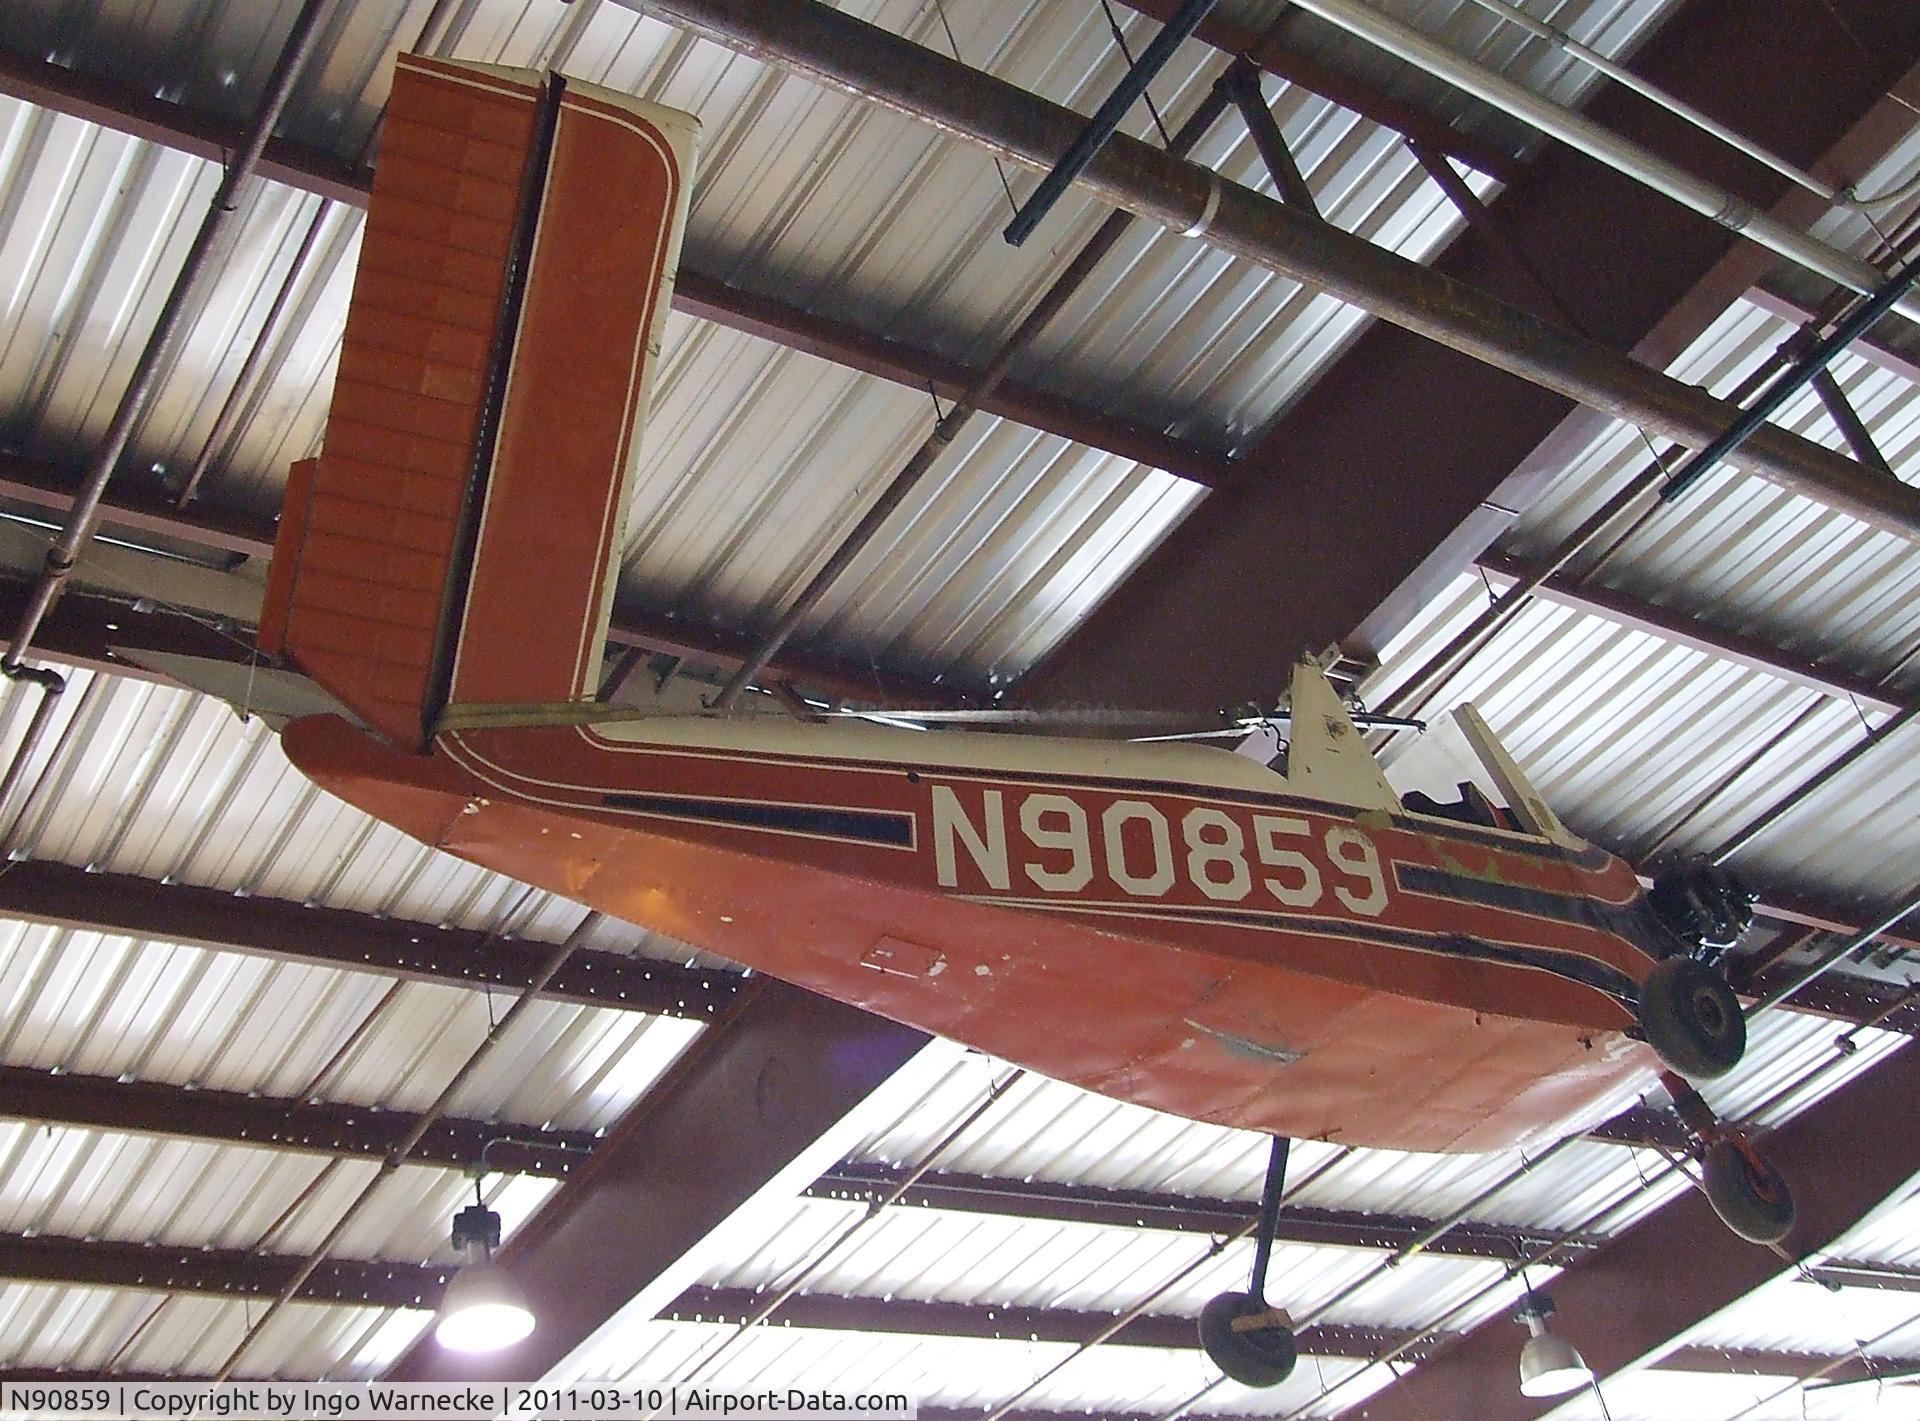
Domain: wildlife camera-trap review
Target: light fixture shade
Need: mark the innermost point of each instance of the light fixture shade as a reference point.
(482, 1310)
(1550, 1366)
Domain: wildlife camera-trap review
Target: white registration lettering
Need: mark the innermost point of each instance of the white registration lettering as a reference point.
(1267, 829)
(1068, 834)
(1112, 824)
(1353, 853)
(1216, 855)
(986, 846)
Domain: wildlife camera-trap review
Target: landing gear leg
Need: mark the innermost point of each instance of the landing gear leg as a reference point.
(1249, 1340)
(1746, 1191)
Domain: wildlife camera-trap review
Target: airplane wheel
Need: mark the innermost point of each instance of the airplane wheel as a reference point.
(1692, 1019)
(1261, 1354)
(1754, 1202)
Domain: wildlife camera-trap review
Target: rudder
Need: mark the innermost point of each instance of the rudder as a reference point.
(457, 541)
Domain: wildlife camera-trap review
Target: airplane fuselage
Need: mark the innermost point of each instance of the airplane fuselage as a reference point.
(1169, 925)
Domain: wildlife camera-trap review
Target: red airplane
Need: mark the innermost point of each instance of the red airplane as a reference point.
(1297, 952)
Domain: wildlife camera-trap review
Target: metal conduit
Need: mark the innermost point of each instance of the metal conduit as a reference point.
(1140, 1308)
(1063, 290)
(1653, 93)
(1577, 131)
(398, 1155)
(1784, 806)
(996, 1090)
(1594, 1222)
(1655, 483)
(228, 418)
(82, 518)
(839, 50)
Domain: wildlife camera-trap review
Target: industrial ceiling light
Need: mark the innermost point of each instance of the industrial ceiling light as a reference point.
(482, 1309)
(1549, 1365)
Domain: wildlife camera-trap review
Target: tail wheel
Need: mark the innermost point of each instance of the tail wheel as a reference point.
(1747, 1193)
(1692, 1019)
(1248, 1340)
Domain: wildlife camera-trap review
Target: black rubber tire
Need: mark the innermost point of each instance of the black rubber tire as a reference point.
(1692, 1019)
(1261, 1357)
(1756, 1205)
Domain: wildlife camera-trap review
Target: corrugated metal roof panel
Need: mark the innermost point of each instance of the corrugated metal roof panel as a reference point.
(186, 1335)
(1790, 1315)
(1750, 555)
(115, 1007)
(97, 1184)
(146, 779)
(945, 1371)
(1625, 732)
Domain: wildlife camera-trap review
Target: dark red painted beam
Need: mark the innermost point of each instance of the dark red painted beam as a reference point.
(697, 294)
(1627, 1300)
(43, 892)
(1134, 1209)
(738, 1113)
(987, 1322)
(1375, 488)
(313, 1126)
(139, 516)
(1698, 632)
(232, 1272)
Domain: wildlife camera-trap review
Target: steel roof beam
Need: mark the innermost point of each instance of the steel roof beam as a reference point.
(745, 1113)
(66, 897)
(838, 50)
(139, 515)
(325, 1127)
(1683, 629)
(988, 1322)
(230, 1272)
(1137, 1209)
(695, 293)
(1398, 467)
(1625, 1302)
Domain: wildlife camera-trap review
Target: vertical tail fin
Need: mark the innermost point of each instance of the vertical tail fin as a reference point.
(458, 540)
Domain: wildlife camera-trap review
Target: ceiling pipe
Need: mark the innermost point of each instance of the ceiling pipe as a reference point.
(978, 391)
(845, 53)
(1581, 133)
(1654, 94)
(442, 1104)
(302, 39)
(1658, 485)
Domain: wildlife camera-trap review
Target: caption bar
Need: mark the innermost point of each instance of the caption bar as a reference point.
(481, 1401)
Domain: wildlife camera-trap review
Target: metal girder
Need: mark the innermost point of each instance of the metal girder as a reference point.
(66, 897)
(313, 1126)
(84, 637)
(1745, 1362)
(1846, 998)
(988, 1322)
(841, 51)
(698, 294)
(749, 1108)
(233, 1272)
(1125, 1208)
(1391, 473)
(1893, 345)
(1881, 1277)
(1627, 1300)
(1624, 609)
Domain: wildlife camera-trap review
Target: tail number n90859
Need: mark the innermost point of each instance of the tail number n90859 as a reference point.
(1060, 845)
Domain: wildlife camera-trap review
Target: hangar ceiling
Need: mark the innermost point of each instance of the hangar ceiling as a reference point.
(232, 1003)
